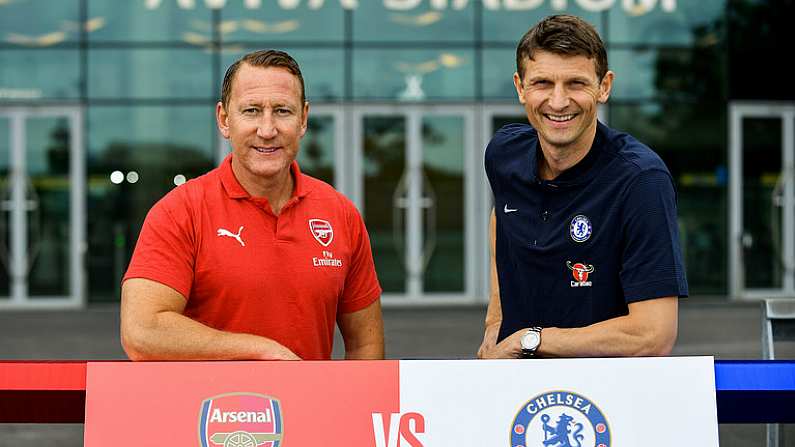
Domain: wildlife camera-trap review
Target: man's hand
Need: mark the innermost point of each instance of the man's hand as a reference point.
(489, 340)
(509, 348)
(277, 351)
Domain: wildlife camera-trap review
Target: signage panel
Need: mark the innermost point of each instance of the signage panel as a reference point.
(649, 402)
(653, 402)
(225, 404)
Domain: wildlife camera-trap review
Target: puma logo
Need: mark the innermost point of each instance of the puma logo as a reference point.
(227, 233)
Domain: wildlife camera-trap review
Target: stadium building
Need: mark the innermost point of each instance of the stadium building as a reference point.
(106, 105)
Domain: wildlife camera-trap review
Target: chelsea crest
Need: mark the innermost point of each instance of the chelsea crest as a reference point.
(560, 419)
(580, 228)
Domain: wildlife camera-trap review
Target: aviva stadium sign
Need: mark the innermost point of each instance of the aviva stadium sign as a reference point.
(632, 7)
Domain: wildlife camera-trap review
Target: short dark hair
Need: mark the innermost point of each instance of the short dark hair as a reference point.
(565, 35)
(264, 59)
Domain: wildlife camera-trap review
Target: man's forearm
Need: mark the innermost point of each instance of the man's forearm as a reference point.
(650, 329)
(172, 336)
(609, 338)
(372, 351)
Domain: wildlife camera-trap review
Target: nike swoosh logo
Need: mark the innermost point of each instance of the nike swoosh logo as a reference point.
(507, 210)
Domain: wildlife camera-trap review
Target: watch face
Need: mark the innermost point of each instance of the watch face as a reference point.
(531, 340)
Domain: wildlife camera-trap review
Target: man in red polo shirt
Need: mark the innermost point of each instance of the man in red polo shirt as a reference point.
(253, 260)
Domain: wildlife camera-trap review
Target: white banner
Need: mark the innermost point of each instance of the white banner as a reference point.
(627, 402)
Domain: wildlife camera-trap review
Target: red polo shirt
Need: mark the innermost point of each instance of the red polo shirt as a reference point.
(244, 269)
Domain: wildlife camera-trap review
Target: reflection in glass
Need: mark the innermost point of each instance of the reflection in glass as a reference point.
(670, 74)
(688, 23)
(270, 23)
(150, 73)
(414, 75)
(506, 25)
(158, 143)
(763, 255)
(443, 202)
(39, 23)
(636, 80)
(323, 70)
(384, 164)
(316, 157)
(5, 210)
(47, 157)
(136, 21)
(39, 74)
(698, 166)
(499, 65)
(373, 22)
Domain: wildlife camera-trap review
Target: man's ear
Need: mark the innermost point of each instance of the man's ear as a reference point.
(517, 83)
(222, 119)
(605, 87)
(305, 118)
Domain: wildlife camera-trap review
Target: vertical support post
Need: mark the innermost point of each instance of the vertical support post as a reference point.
(414, 225)
(19, 230)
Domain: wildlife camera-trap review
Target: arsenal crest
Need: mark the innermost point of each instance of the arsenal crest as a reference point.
(321, 231)
(241, 419)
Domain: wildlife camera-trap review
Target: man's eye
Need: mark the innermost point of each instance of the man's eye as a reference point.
(283, 111)
(250, 111)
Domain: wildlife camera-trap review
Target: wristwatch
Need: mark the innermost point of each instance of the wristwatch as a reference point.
(530, 341)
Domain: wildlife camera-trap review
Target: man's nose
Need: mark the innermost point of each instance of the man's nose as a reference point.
(559, 98)
(266, 128)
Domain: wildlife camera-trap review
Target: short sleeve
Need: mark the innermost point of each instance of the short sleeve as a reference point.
(165, 251)
(361, 283)
(652, 265)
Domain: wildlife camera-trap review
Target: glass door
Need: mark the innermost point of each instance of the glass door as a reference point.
(42, 205)
(762, 194)
(417, 171)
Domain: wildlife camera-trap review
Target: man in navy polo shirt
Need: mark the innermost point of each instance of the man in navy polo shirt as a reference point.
(585, 247)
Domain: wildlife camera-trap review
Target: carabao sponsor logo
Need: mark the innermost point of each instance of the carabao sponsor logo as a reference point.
(241, 420)
(580, 272)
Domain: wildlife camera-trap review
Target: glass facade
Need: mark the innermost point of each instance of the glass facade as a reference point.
(147, 73)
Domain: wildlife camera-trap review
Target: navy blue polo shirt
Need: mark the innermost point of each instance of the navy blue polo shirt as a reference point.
(576, 250)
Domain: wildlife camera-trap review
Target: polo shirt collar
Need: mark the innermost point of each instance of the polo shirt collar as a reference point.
(580, 173)
(236, 191)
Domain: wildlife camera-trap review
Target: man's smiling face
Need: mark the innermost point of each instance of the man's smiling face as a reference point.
(264, 122)
(560, 94)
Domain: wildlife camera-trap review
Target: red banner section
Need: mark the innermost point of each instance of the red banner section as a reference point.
(215, 404)
(42, 392)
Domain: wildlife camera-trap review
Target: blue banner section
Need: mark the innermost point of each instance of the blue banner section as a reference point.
(755, 391)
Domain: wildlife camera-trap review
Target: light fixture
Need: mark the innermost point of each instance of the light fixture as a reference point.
(132, 177)
(116, 177)
(179, 179)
